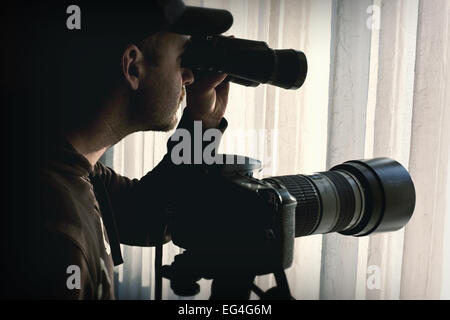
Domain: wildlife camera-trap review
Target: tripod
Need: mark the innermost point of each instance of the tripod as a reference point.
(230, 281)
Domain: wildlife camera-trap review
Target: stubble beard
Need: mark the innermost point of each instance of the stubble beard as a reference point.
(172, 121)
(157, 115)
(171, 124)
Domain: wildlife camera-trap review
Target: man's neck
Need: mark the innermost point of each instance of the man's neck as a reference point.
(92, 142)
(81, 143)
(107, 129)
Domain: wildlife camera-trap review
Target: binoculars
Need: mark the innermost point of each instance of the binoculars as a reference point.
(246, 62)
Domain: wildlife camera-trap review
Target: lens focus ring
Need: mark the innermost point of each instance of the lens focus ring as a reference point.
(346, 200)
(307, 212)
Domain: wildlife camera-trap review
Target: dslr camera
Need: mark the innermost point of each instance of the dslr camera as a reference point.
(235, 227)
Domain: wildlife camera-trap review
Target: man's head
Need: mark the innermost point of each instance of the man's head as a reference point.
(154, 81)
(124, 64)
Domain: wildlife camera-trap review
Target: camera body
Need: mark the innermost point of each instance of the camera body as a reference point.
(235, 221)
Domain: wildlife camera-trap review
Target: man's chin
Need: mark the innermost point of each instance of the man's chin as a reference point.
(164, 126)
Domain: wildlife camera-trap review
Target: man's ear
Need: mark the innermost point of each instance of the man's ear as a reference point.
(133, 66)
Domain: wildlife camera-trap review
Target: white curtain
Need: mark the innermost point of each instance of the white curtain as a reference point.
(378, 85)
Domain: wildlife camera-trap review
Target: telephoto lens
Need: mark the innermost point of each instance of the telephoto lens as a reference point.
(355, 198)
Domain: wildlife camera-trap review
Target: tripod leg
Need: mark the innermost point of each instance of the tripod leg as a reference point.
(158, 274)
(282, 290)
(232, 287)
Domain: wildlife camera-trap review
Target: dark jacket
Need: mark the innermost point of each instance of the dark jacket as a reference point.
(85, 213)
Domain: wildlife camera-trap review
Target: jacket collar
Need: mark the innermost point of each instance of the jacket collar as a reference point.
(61, 155)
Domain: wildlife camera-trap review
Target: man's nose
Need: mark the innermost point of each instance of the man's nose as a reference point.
(187, 77)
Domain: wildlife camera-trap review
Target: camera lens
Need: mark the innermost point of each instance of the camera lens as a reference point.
(356, 198)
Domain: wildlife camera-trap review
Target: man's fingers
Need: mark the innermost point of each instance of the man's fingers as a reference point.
(205, 81)
(218, 79)
(222, 91)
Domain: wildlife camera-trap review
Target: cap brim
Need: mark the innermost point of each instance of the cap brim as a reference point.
(202, 21)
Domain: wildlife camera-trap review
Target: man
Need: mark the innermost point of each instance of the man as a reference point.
(85, 209)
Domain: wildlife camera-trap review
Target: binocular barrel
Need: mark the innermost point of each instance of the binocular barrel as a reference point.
(247, 62)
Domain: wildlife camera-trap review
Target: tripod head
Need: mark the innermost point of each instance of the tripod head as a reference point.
(228, 284)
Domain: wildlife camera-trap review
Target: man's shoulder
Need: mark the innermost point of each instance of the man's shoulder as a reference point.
(101, 169)
(58, 190)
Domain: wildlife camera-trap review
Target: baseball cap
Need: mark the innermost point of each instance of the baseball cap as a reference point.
(141, 18)
(194, 20)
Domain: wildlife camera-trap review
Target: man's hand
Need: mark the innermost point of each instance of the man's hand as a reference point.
(207, 98)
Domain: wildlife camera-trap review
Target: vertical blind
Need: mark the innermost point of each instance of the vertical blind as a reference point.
(378, 85)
